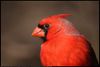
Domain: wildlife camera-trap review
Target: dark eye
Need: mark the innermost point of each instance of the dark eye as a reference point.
(46, 26)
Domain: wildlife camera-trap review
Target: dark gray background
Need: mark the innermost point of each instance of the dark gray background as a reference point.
(19, 18)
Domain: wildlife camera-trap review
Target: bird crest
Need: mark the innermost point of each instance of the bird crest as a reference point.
(61, 15)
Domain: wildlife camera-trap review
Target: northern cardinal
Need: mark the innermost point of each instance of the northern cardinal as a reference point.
(63, 44)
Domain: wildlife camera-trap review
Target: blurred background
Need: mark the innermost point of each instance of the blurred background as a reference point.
(19, 18)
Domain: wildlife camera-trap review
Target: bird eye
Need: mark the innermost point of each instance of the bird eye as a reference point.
(46, 26)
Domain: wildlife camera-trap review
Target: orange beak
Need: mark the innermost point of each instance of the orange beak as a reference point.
(38, 32)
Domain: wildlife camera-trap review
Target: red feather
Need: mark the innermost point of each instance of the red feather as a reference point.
(65, 46)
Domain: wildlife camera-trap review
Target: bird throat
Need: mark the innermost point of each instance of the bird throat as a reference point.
(44, 38)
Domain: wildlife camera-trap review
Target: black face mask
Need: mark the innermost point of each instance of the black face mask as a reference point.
(45, 29)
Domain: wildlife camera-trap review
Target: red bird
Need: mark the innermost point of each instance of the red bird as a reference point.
(63, 44)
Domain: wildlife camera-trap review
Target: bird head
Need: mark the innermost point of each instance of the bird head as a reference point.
(50, 26)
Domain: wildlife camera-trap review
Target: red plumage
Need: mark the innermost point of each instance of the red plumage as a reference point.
(64, 45)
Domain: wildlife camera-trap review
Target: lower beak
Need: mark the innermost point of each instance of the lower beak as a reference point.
(38, 32)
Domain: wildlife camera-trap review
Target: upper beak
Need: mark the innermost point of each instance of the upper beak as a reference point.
(38, 32)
